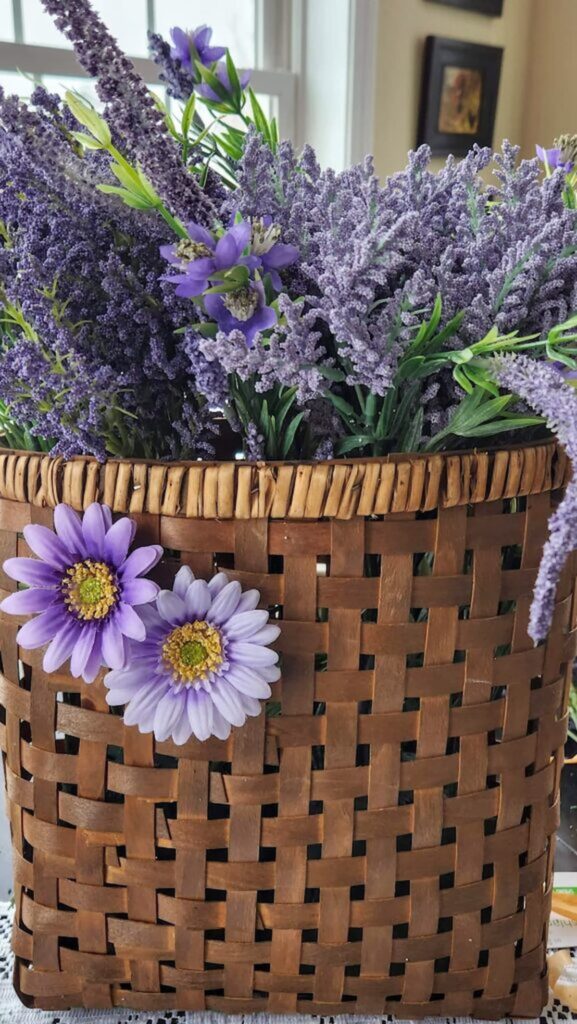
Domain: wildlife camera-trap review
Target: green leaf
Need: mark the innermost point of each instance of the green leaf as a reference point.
(290, 434)
(89, 118)
(343, 407)
(329, 372)
(259, 117)
(349, 444)
(215, 84)
(136, 202)
(233, 77)
(188, 114)
(87, 140)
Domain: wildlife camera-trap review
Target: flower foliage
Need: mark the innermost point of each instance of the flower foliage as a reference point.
(159, 264)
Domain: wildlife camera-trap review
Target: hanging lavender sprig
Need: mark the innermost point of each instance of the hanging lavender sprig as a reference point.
(131, 109)
(542, 386)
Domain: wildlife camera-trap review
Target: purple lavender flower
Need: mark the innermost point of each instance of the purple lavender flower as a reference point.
(131, 109)
(541, 385)
(244, 310)
(85, 585)
(553, 159)
(188, 47)
(221, 72)
(205, 664)
(201, 256)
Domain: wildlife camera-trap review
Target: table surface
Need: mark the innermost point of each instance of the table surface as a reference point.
(12, 1011)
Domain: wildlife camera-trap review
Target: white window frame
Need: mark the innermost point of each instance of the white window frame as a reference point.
(272, 76)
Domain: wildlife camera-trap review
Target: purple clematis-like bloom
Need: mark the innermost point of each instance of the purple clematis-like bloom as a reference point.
(200, 256)
(242, 310)
(205, 664)
(221, 72)
(269, 254)
(195, 45)
(84, 585)
(553, 159)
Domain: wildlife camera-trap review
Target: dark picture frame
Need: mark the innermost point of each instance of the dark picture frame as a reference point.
(459, 92)
(491, 8)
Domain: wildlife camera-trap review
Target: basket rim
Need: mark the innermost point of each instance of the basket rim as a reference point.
(391, 457)
(336, 489)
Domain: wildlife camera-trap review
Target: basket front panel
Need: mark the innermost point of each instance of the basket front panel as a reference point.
(380, 841)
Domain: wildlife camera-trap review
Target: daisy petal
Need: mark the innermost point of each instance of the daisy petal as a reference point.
(39, 631)
(252, 707)
(94, 531)
(248, 601)
(94, 663)
(244, 624)
(197, 600)
(83, 649)
(225, 604)
(216, 584)
(26, 602)
(171, 607)
(220, 726)
(68, 526)
(182, 731)
(228, 702)
(113, 651)
(129, 623)
(266, 635)
(200, 710)
(47, 546)
(62, 646)
(168, 713)
(145, 700)
(32, 572)
(139, 591)
(248, 682)
(118, 540)
(140, 561)
(251, 654)
(182, 580)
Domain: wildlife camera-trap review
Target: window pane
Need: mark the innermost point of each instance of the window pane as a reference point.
(127, 20)
(15, 83)
(233, 23)
(83, 86)
(6, 22)
(38, 27)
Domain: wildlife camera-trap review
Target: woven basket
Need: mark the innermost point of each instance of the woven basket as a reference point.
(384, 844)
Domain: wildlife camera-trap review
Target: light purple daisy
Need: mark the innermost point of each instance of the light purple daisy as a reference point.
(205, 663)
(85, 587)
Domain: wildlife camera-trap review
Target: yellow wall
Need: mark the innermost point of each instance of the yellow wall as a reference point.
(403, 26)
(551, 107)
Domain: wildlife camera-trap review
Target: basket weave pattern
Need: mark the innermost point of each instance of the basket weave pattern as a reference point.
(384, 844)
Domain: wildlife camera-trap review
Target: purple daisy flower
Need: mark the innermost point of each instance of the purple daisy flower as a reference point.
(244, 309)
(201, 255)
(221, 72)
(205, 664)
(195, 46)
(85, 585)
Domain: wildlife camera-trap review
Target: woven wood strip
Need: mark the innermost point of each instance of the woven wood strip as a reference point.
(381, 840)
(232, 490)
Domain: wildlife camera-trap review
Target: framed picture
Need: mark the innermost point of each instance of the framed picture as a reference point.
(493, 8)
(459, 95)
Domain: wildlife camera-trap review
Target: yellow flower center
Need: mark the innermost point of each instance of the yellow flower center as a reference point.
(192, 651)
(188, 250)
(89, 589)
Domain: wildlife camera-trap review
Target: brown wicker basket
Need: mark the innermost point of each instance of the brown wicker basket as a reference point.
(385, 843)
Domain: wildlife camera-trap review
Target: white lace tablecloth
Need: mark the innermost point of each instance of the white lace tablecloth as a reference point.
(12, 1011)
